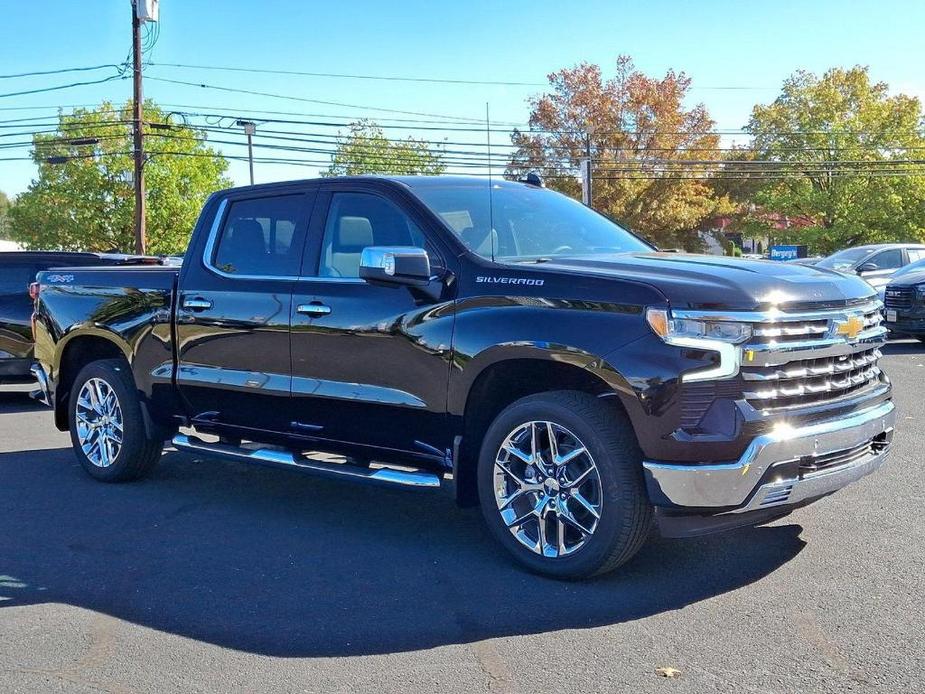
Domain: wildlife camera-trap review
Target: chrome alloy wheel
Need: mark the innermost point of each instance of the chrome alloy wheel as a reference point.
(99, 422)
(548, 488)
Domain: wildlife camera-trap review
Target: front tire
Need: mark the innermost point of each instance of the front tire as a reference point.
(561, 487)
(107, 429)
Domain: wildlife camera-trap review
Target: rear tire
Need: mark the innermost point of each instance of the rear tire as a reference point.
(585, 516)
(107, 428)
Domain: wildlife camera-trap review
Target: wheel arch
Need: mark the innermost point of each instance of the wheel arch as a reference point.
(502, 375)
(74, 352)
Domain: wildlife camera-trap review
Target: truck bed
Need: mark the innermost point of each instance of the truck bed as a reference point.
(130, 306)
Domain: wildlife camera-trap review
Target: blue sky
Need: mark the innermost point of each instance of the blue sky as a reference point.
(753, 44)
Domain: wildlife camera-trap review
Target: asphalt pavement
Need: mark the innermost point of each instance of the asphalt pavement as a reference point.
(218, 577)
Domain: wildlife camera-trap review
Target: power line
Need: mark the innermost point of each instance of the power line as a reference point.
(61, 86)
(290, 97)
(59, 71)
(632, 175)
(477, 158)
(339, 75)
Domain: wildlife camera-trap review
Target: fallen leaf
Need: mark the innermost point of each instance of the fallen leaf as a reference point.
(669, 672)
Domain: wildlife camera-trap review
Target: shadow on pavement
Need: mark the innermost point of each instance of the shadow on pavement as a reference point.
(14, 402)
(277, 563)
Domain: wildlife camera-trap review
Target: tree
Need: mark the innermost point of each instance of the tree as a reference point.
(647, 148)
(366, 150)
(836, 152)
(83, 197)
(4, 216)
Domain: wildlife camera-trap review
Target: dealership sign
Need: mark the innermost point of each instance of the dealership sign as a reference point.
(787, 252)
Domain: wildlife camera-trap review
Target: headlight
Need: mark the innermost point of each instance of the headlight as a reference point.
(722, 337)
(667, 327)
(920, 290)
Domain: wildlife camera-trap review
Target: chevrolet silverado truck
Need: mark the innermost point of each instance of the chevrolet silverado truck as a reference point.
(498, 340)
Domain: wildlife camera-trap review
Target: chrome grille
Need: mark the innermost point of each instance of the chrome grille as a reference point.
(898, 297)
(812, 357)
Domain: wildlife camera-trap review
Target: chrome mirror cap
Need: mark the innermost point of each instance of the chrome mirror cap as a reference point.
(395, 264)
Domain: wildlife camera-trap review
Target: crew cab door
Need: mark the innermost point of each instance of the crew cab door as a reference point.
(233, 310)
(883, 266)
(370, 363)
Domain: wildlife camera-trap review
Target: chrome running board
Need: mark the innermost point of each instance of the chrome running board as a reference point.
(417, 479)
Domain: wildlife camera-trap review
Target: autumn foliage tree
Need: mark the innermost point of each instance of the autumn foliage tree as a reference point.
(648, 149)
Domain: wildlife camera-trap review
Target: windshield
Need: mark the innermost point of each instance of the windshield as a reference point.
(525, 223)
(844, 260)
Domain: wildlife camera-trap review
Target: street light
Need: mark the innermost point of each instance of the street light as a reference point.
(250, 128)
(77, 141)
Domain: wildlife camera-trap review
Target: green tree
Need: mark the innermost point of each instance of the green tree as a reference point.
(647, 148)
(4, 216)
(366, 150)
(839, 147)
(83, 197)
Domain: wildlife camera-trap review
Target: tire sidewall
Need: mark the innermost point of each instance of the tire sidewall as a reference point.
(117, 376)
(613, 474)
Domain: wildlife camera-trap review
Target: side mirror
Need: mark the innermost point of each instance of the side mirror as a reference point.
(404, 265)
(868, 267)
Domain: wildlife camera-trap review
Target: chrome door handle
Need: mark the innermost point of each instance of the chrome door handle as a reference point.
(313, 309)
(197, 304)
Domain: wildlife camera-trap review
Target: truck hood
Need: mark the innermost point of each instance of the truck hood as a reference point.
(718, 282)
(908, 279)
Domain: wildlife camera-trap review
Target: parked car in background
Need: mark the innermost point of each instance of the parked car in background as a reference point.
(17, 271)
(806, 261)
(875, 263)
(904, 298)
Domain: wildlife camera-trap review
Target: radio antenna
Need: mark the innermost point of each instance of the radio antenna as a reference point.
(491, 210)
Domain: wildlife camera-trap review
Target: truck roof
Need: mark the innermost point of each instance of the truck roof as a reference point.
(408, 181)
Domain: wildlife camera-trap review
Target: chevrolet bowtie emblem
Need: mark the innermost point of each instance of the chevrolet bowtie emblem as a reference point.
(849, 328)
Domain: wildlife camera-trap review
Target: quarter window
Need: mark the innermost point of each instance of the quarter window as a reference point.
(259, 237)
(358, 220)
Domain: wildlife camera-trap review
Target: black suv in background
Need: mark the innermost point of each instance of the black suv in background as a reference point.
(905, 302)
(17, 271)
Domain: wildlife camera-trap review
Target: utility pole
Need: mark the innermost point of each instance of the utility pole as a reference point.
(586, 184)
(139, 133)
(250, 129)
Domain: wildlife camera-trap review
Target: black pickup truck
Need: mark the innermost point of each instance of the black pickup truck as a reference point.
(501, 341)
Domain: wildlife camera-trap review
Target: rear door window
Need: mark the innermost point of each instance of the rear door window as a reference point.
(260, 237)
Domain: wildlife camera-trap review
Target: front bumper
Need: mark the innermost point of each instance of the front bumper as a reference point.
(907, 324)
(786, 467)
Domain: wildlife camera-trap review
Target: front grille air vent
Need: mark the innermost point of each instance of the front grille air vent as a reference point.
(898, 298)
